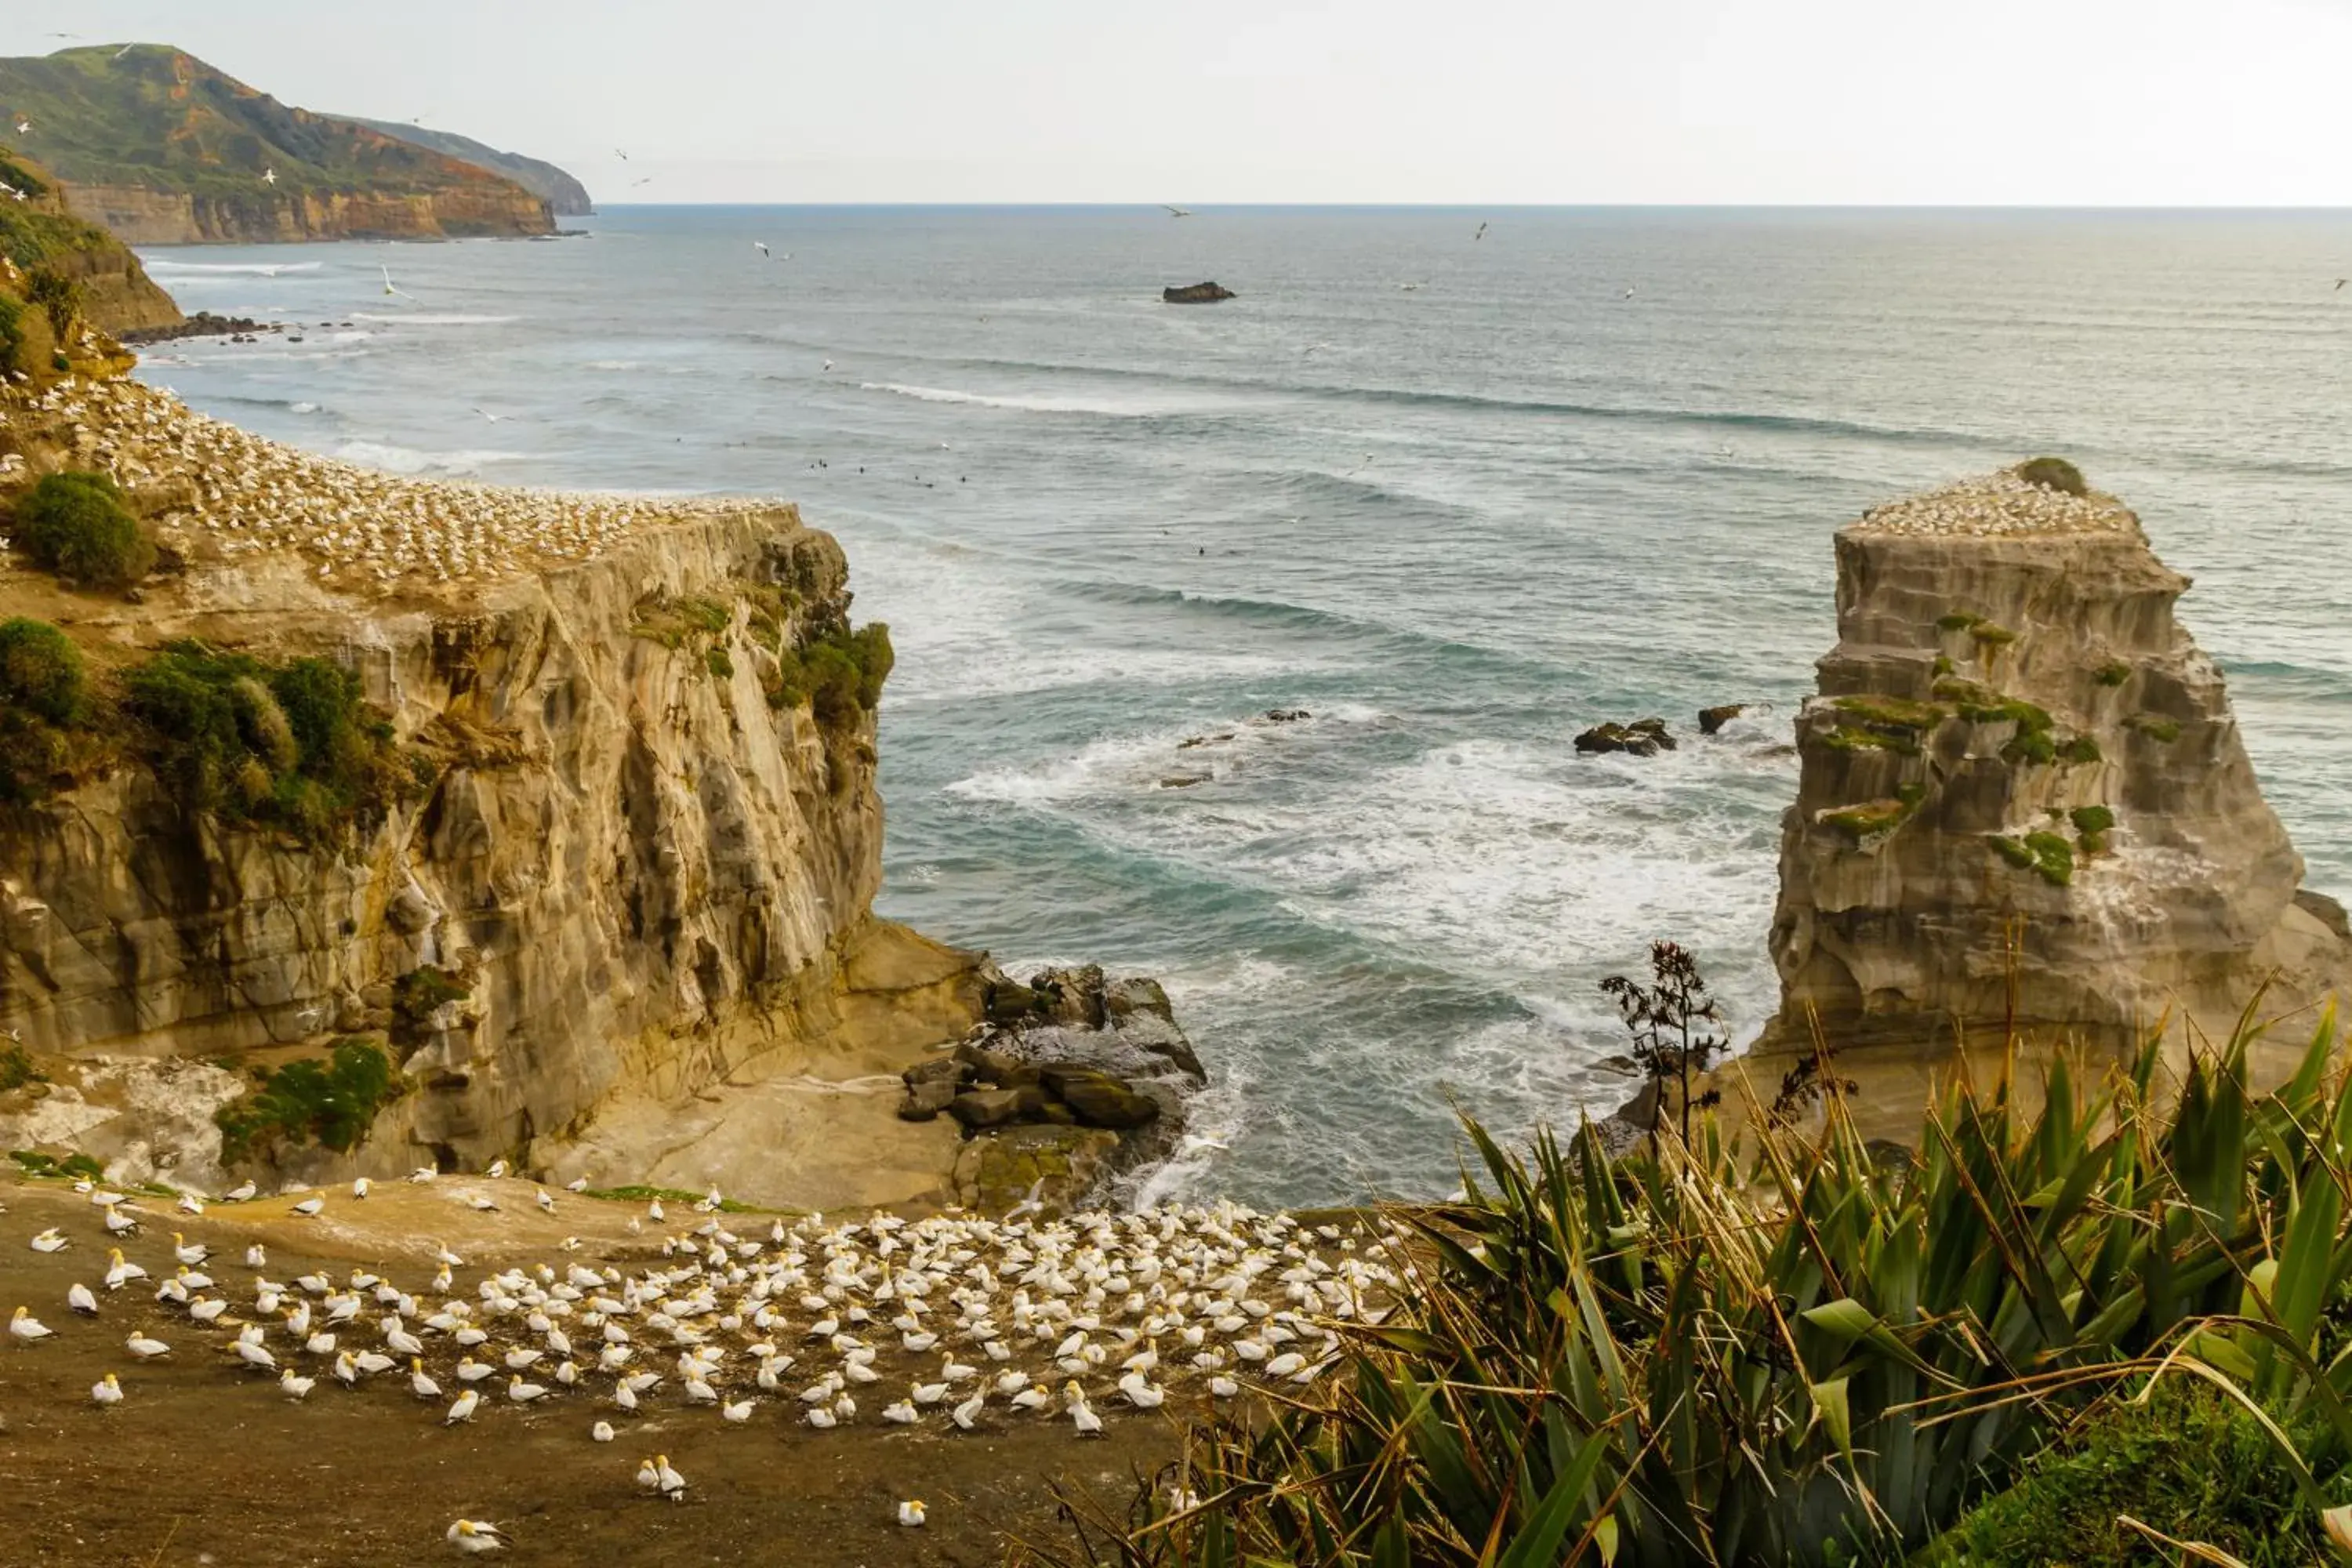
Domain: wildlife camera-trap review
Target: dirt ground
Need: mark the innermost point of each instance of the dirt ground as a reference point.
(204, 1464)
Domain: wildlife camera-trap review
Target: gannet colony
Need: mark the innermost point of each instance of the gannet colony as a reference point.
(954, 1319)
(359, 528)
(1997, 504)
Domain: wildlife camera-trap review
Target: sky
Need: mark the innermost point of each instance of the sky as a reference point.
(2030, 103)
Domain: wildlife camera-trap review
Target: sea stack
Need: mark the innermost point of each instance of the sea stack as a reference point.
(2017, 746)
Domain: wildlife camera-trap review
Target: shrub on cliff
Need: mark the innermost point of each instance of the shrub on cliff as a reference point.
(840, 676)
(76, 525)
(41, 670)
(291, 743)
(44, 693)
(332, 1102)
(2054, 474)
(59, 297)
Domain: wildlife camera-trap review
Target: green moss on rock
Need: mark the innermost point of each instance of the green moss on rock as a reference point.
(2115, 672)
(2155, 726)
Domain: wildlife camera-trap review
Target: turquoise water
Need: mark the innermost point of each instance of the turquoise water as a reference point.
(1456, 522)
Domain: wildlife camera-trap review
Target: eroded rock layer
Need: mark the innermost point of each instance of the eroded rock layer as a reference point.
(2024, 790)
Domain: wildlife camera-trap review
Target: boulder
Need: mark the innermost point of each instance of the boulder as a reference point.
(1287, 715)
(1100, 1099)
(976, 1109)
(985, 1065)
(949, 1069)
(1008, 1002)
(925, 1101)
(1073, 997)
(1196, 294)
(1710, 720)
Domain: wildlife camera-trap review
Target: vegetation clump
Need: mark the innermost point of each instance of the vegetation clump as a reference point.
(2092, 823)
(76, 525)
(74, 1167)
(2115, 672)
(16, 1069)
(2054, 474)
(640, 1193)
(420, 992)
(839, 674)
(1875, 818)
(2045, 853)
(330, 1102)
(2155, 726)
(1959, 621)
(675, 623)
(44, 699)
(293, 745)
(1988, 636)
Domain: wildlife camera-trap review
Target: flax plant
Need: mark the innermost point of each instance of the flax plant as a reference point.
(1811, 1355)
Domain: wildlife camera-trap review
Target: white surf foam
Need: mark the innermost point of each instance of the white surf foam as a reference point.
(1103, 405)
(409, 460)
(197, 270)
(430, 319)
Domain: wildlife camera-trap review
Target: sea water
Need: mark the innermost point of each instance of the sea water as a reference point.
(1457, 497)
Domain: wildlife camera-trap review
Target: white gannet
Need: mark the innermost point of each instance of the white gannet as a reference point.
(423, 1387)
(911, 1514)
(27, 1327)
(470, 1535)
(1176, 211)
(242, 1192)
(51, 1240)
(106, 1391)
(523, 1393)
(295, 1387)
(79, 1298)
(309, 1208)
(463, 1410)
(601, 1432)
(144, 1348)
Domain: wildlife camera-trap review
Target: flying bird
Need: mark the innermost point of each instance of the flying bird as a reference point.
(762, 247)
(1481, 234)
(1177, 212)
(124, 50)
(390, 292)
(2341, 281)
(24, 127)
(268, 176)
(623, 157)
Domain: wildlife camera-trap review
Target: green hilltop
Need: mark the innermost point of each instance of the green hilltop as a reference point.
(123, 127)
(564, 196)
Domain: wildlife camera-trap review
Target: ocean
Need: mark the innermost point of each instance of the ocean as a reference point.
(1455, 497)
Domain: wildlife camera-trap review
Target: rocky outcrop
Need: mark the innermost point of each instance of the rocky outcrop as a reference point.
(1196, 294)
(2023, 792)
(1642, 738)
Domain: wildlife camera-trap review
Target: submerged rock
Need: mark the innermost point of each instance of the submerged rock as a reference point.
(1711, 719)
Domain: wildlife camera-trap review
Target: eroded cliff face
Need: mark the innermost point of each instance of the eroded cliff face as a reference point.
(634, 870)
(142, 215)
(2022, 787)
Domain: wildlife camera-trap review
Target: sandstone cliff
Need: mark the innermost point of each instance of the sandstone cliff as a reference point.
(166, 149)
(635, 860)
(565, 197)
(2017, 748)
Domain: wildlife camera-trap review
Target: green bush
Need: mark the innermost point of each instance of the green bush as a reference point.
(2092, 818)
(76, 525)
(292, 744)
(2115, 672)
(2189, 1461)
(41, 670)
(332, 1102)
(2053, 474)
(60, 298)
(16, 1069)
(2052, 856)
(839, 675)
(422, 992)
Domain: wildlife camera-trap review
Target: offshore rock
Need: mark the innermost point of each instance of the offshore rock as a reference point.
(1196, 294)
(2014, 735)
(1642, 738)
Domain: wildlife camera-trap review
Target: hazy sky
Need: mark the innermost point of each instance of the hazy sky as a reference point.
(2070, 102)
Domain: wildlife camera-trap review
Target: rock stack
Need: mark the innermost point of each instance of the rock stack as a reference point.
(2022, 788)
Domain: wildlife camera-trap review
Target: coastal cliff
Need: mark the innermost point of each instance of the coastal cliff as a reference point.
(565, 197)
(629, 852)
(2023, 793)
(105, 284)
(163, 149)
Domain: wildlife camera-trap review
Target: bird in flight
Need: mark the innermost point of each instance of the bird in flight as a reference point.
(1481, 234)
(623, 157)
(24, 127)
(1629, 293)
(268, 176)
(646, 181)
(2341, 281)
(761, 246)
(124, 50)
(392, 291)
(1176, 211)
